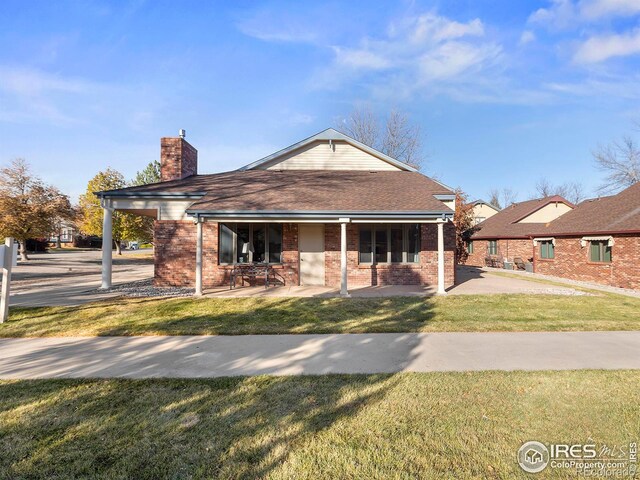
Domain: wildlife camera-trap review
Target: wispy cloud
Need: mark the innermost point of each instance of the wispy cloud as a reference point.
(602, 47)
(415, 53)
(563, 14)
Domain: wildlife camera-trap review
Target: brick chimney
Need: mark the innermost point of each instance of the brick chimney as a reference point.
(178, 159)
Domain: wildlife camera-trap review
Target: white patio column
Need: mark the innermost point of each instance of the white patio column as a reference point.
(198, 257)
(107, 246)
(441, 290)
(344, 291)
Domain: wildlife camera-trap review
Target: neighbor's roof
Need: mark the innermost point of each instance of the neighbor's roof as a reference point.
(330, 134)
(262, 191)
(504, 223)
(482, 202)
(614, 214)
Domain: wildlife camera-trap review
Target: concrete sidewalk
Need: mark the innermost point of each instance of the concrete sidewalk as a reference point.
(214, 356)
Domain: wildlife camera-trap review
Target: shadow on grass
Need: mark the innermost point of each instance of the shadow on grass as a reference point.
(281, 315)
(241, 427)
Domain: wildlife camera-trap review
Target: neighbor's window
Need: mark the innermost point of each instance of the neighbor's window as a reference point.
(492, 247)
(250, 243)
(547, 249)
(470, 247)
(600, 251)
(395, 243)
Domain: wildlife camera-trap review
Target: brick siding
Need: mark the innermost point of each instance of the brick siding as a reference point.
(423, 273)
(178, 159)
(175, 253)
(572, 261)
(508, 248)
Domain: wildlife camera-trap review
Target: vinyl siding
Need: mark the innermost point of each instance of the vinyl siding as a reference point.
(167, 209)
(547, 213)
(320, 156)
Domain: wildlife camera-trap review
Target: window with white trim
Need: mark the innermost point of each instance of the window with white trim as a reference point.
(547, 249)
(393, 243)
(600, 251)
(250, 243)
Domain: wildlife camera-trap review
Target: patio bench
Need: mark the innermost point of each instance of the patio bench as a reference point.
(253, 271)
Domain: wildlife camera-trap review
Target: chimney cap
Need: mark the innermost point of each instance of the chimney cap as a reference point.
(182, 133)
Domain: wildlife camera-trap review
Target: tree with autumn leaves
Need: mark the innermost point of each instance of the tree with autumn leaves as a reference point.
(29, 208)
(126, 226)
(463, 220)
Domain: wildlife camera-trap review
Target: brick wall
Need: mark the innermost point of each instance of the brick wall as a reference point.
(424, 273)
(178, 159)
(175, 254)
(572, 261)
(508, 248)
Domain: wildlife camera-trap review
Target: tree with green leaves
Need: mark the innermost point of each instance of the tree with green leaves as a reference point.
(144, 225)
(29, 207)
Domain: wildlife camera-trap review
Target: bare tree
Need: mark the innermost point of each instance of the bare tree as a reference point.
(572, 191)
(509, 197)
(402, 140)
(620, 160)
(362, 125)
(502, 198)
(398, 137)
(494, 198)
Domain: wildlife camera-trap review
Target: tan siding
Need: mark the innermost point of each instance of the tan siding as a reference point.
(547, 214)
(483, 211)
(168, 209)
(320, 156)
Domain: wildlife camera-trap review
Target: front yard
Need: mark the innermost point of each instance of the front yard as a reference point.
(436, 425)
(240, 316)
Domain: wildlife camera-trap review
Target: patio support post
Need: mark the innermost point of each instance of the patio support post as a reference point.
(344, 292)
(441, 290)
(107, 245)
(198, 257)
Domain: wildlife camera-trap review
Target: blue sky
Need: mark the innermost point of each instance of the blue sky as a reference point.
(506, 91)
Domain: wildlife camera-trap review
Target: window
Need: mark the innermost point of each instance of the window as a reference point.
(600, 251)
(469, 247)
(492, 247)
(395, 243)
(250, 243)
(547, 249)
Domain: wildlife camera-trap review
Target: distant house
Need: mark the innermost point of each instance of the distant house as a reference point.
(598, 241)
(65, 234)
(327, 210)
(507, 234)
(483, 210)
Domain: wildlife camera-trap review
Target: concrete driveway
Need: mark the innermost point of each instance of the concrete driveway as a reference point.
(70, 277)
(216, 356)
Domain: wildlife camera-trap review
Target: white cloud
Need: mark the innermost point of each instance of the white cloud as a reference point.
(281, 27)
(563, 14)
(593, 9)
(600, 48)
(527, 37)
(414, 54)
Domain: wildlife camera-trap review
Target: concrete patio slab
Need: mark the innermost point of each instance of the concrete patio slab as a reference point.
(215, 356)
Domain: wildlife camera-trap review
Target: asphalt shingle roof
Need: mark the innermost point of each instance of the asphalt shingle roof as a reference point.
(502, 224)
(305, 190)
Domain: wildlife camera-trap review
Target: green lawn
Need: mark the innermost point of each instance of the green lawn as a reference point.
(435, 425)
(238, 316)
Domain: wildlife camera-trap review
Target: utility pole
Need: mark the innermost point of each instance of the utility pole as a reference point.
(7, 260)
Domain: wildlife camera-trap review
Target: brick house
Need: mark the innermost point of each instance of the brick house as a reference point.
(507, 234)
(327, 210)
(598, 241)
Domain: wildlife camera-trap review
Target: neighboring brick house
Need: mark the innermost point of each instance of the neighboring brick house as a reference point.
(325, 211)
(507, 234)
(598, 241)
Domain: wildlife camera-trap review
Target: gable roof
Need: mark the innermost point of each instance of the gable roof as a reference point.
(329, 134)
(260, 192)
(504, 223)
(613, 214)
(482, 202)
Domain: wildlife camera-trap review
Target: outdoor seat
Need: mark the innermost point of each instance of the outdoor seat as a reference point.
(519, 263)
(254, 271)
